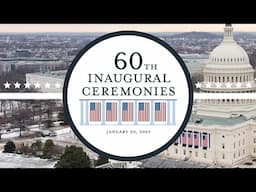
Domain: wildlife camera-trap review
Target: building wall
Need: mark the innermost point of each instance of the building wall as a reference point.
(228, 146)
(42, 80)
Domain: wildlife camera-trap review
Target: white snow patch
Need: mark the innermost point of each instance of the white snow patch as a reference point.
(10, 160)
(63, 131)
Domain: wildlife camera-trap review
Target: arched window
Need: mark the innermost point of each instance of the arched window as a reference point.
(215, 79)
(228, 79)
(236, 79)
(240, 79)
(220, 60)
(244, 78)
(224, 59)
(223, 79)
(219, 79)
(231, 59)
(232, 79)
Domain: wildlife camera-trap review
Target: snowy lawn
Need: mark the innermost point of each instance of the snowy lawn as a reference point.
(10, 160)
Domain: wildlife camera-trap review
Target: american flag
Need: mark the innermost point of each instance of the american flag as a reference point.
(95, 111)
(143, 114)
(111, 111)
(160, 111)
(196, 139)
(184, 139)
(190, 139)
(127, 111)
(205, 140)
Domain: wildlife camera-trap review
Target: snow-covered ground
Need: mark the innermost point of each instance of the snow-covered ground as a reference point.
(64, 137)
(10, 160)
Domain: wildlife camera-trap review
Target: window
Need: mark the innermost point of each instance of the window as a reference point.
(223, 156)
(205, 155)
(223, 146)
(223, 136)
(176, 151)
(254, 140)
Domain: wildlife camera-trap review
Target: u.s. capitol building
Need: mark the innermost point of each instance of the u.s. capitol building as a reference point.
(221, 131)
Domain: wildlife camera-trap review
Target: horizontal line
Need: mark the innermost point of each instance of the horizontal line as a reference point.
(27, 96)
(45, 96)
(128, 99)
(224, 95)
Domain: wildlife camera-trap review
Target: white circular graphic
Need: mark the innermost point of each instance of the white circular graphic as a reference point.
(127, 95)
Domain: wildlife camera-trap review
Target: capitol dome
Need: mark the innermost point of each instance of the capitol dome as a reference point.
(228, 63)
(228, 70)
(229, 52)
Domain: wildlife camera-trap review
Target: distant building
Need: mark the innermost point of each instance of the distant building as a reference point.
(30, 64)
(50, 77)
(23, 53)
(120, 164)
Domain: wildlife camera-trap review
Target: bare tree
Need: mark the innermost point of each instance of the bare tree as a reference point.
(20, 118)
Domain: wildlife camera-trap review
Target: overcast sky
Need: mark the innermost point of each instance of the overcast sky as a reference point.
(118, 27)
